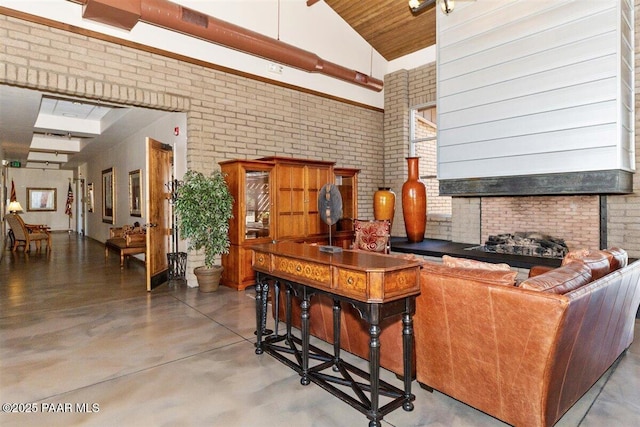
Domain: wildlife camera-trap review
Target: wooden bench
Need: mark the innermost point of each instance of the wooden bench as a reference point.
(126, 243)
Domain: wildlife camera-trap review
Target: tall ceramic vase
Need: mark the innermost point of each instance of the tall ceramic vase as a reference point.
(384, 204)
(414, 203)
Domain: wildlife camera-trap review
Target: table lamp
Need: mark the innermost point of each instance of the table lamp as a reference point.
(14, 207)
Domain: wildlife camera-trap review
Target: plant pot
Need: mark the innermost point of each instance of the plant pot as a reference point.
(208, 278)
(414, 203)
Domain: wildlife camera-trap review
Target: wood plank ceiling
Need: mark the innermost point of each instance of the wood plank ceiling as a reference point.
(388, 25)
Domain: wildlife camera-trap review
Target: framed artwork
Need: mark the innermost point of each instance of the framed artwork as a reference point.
(90, 197)
(41, 200)
(108, 196)
(135, 193)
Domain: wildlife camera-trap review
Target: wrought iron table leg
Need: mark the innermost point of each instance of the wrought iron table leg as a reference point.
(374, 361)
(305, 380)
(265, 303)
(276, 304)
(260, 295)
(336, 334)
(407, 351)
(262, 302)
(288, 312)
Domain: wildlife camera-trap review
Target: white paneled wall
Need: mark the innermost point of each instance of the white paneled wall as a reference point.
(534, 87)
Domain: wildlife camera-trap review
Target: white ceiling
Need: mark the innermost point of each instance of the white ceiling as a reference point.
(49, 132)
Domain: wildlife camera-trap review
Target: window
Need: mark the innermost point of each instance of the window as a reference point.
(423, 135)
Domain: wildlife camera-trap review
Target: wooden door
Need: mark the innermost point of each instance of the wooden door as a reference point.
(157, 175)
(316, 178)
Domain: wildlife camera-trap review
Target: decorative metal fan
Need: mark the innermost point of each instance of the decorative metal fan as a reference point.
(330, 209)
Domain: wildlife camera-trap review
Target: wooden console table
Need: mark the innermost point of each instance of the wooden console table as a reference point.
(378, 286)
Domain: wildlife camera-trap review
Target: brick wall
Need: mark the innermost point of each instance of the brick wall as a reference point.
(465, 220)
(228, 116)
(396, 138)
(436, 204)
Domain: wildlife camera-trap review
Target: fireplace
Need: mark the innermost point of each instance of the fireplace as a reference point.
(576, 219)
(527, 244)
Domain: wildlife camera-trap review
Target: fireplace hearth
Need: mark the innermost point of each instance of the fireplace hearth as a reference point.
(526, 243)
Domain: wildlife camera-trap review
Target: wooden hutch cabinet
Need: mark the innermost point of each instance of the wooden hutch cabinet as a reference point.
(251, 184)
(346, 180)
(276, 198)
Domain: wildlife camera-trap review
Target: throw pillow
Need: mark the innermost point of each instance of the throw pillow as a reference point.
(468, 275)
(560, 280)
(372, 235)
(449, 261)
(597, 261)
(618, 258)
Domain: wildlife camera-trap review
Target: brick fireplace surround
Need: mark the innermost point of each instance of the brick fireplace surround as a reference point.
(576, 219)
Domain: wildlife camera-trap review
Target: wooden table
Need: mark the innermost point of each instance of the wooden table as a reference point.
(378, 286)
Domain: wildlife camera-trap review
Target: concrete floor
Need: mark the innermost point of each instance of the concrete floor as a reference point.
(82, 339)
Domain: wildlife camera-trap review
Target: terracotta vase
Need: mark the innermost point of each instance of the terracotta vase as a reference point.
(384, 204)
(414, 203)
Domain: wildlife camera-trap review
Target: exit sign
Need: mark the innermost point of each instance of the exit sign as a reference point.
(15, 164)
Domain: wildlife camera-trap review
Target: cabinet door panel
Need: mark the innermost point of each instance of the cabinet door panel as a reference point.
(317, 177)
(291, 206)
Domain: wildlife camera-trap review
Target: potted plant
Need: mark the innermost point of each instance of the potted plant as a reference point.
(203, 206)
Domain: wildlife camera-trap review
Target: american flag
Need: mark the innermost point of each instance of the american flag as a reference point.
(68, 210)
(13, 197)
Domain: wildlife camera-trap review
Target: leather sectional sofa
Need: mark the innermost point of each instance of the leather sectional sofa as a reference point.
(524, 354)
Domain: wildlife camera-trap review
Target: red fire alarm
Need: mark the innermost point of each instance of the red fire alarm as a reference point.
(176, 131)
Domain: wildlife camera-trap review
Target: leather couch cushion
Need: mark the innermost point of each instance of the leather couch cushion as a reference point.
(537, 270)
(449, 261)
(576, 254)
(560, 280)
(618, 258)
(597, 261)
(494, 277)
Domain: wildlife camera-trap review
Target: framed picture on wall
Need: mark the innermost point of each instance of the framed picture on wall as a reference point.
(135, 193)
(108, 196)
(41, 200)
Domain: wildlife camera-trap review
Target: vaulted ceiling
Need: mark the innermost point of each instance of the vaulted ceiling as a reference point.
(388, 25)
